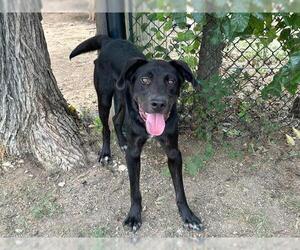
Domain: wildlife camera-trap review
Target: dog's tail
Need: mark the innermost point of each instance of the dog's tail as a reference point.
(92, 44)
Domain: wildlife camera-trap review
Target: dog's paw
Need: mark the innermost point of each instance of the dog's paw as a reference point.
(192, 222)
(134, 222)
(105, 155)
(105, 159)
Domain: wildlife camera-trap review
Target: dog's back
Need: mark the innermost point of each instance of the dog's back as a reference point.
(114, 51)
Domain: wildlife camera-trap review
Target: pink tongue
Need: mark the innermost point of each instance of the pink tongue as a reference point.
(155, 124)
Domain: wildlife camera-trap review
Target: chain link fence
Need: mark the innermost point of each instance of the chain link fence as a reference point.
(231, 100)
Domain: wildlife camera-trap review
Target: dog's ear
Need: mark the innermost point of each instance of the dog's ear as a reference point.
(186, 73)
(128, 71)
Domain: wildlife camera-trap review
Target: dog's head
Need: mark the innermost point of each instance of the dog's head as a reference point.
(154, 87)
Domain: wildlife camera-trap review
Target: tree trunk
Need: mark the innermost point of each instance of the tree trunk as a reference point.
(210, 55)
(34, 116)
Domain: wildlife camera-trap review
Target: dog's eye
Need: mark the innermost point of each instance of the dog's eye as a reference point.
(145, 80)
(171, 82)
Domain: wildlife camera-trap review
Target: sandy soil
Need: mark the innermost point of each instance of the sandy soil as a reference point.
(238, 192)
(75, 78)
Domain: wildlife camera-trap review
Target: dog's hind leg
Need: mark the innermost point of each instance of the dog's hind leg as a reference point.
(104, 88)
(104, 105)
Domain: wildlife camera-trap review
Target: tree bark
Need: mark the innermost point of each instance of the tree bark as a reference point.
(210, 54)
(34, 116)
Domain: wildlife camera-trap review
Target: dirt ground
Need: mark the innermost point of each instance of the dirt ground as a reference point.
(238, 192)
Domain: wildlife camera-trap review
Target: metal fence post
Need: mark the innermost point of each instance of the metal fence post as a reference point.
(116, 26)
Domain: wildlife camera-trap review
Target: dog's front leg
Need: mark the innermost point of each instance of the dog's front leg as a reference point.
(175, 166)
(133, 159)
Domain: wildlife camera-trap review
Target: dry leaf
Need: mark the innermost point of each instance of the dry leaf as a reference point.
(290, 140)
(297, 132)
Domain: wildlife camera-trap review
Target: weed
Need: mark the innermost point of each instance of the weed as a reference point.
(99, 232)
(293, 203)
(196, 163)
(233, 153)
(46, 207)
(268, 128)
(232, 133)
(253, 167)
(244, 112)
(208, 152)
(166, 172)
(294, 154)
(259, 222)
(97, 124)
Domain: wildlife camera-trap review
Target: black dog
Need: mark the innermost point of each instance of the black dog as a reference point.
(146, 94)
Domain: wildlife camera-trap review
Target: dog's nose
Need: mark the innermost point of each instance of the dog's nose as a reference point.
(158, 104)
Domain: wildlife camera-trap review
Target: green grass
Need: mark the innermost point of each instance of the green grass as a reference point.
(232, 152)
(99, 232)
(268, 127)
(45, 207)
(97, 124)
(253, 167)
(294, 154)
(293, 203)
(233, 133)
(235, 154)
(260, 223)
(165, 172)
(196, 163)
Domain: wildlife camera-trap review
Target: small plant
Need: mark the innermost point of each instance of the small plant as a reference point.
(253, 167)
(232, 152)
(268, 127)
(235, 154)
(46, 207)
(209, 152)
(233, 133)
(99, 232)
(293, 203)
(166, 172)
(97, 124)
(212, 102)
(260, 223)
(244, 112)
(196, 163)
